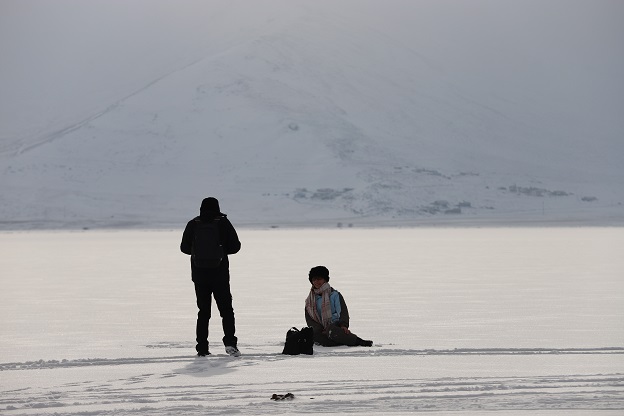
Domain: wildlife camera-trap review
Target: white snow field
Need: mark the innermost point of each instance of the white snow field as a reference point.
(465, 321)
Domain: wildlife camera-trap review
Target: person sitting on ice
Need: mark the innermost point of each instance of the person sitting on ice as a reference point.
(326, 312)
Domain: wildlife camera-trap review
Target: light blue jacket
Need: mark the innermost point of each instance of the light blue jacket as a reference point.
(340, 313)
(334, 301)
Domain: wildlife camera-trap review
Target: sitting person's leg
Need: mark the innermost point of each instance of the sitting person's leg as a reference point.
(342, 337)
(322, 339)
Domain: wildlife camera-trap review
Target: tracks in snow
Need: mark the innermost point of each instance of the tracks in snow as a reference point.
(150, 393)
(186, 385)
(324, 352)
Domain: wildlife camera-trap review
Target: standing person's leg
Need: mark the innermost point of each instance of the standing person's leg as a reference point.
(203, 292)
(223, 299)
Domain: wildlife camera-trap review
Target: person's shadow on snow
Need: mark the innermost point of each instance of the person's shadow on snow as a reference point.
(208, 367)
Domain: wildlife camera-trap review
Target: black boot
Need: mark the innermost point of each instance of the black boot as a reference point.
(364, 343)
(202, 349)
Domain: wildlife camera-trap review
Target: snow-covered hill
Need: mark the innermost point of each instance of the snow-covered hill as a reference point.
(311, 112)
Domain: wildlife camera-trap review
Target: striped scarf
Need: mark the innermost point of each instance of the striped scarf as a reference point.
(326, 314)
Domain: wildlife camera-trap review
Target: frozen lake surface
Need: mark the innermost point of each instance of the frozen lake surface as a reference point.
(511, 320)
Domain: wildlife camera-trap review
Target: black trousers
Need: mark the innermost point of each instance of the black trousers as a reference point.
(335, 336)
(219, 287)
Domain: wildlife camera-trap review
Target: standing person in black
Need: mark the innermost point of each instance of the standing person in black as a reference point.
(213, 281)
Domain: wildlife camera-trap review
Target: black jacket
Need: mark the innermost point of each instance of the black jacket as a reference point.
(229, 241)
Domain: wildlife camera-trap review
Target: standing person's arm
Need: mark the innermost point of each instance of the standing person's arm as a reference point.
(186, 246)
(231, 243)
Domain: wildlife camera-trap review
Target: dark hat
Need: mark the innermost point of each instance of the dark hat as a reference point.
(210, 205)
(319, 271)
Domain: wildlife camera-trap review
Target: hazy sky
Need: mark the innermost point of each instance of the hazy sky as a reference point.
(65, 59)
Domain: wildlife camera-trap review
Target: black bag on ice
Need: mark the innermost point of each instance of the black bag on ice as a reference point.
(306, 340)
(291, 346)
(299, 342)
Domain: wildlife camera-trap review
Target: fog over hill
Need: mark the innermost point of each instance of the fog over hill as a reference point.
(311, 113)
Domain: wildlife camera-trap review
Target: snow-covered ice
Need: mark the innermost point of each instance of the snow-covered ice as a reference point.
(514, 321)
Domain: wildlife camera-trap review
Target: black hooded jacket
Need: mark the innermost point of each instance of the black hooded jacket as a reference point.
(227, 233)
